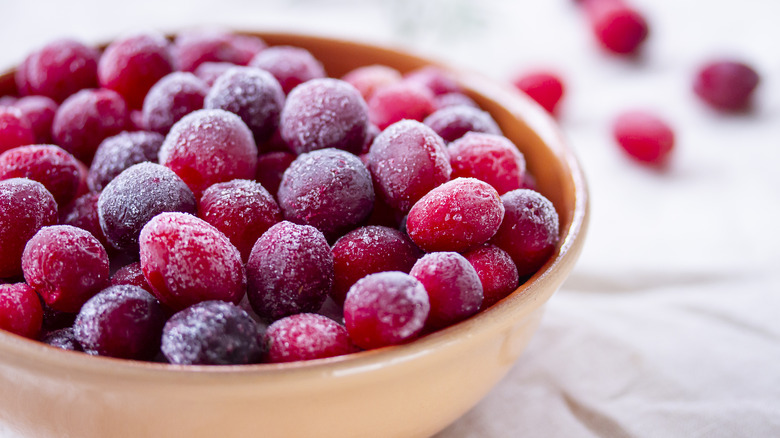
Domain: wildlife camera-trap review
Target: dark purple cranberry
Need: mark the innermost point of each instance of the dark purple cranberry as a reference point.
(172, 98)
(117, 153)
(452, 122)
(726, 85)
(64, 338)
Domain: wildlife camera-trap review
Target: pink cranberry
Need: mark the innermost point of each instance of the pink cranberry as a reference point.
(15, 129)
(454, 99)
(20, 310)
(131, 274)
(618, 27)
(172, 98)
(436, 79)
(645, 137)
(291, 66)
(59, 69)
(193, 48)
(39, 111)
(271, 167)
(397, 101)
(82, 212)
(496, 271)
(489, 158)
(546, 88)
(117, 153)
(451, 123)
(370, 77)
(51, 166)
(306, 336)
(208, 72)
(726, 85)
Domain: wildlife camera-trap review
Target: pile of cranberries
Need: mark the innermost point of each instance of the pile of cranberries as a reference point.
(212, 200)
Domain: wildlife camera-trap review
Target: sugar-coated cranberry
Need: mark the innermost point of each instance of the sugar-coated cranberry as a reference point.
(271, 167)
(210, 146)
(497, 273)
(386, 308)
(546, 88)
(20, 310)
(8, 100)
(407, 160)
(397, 101)
(117, 153)
(64, 338)
(241, 209)
(291, 66)
(529, 232)
(490, 158)
(82, 212)
(51, 166)
(59, 69)
(208, 72)
(618, 27)
(436, 79)
(87, 118)
(454, 99)
(645, 137)
(370, 77)
(452, 122)
(15, 129)
(368, 250)
(39, 111)
(65, 265)
(193, 48)
(306, 336)
(131, 274)
(131, 65)
(457, 215)
(324, 113)
(135, 196)
(211, 333)
(186, 260)
(726, 85)
(171, 98)
(290, 270)
(121, 321)
(251, 93)
(329, 189)
(25, 207)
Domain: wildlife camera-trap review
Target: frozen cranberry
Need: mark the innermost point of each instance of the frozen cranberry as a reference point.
(82, 212)
(121, 321)
(324, 113)
(66, 266)
(407, 160)
(51, 166)
(64, 338)
(87, 118)
(131, 274)
(546, 88)
(384, 215)
(490, 158)
(210, 146)
(193, 48)
(251, 93)
(305, 280)
(59, 69)
(25, 207)
(437, 80)
(20, 310)
(271, 167)
(329, 189)
(55, 319)
(241, 209)
(370, 77)
(497, 273)
(117, 153)
(134, 197)
(131, 65)
(8, 100)
(454, 99)
(39, 111)
(529, 232)
(368, 250)
(645, 137)
(208, 72)
(453, 286)
(618, 27)
(726, 85)
(306, 336)
(457, 215)
(386, 308)
(136, 121)
(451, 123)
(211, 333)
(15, 129)
(291, 66)
(401, 100)
(172, 98)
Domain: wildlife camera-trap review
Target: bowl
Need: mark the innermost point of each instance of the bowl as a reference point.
(412, 390)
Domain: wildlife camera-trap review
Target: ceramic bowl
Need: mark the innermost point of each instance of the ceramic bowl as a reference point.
(413, 390)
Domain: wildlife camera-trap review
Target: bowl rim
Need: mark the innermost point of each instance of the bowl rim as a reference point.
(527, 298)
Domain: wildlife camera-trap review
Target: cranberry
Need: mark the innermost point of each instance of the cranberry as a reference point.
(529, 232)
(407, 160)
(546, 88)
(368, 250)
(59, 69)
(15, 129)
(87, 118)
(726, 85)
(134, 197)
(117, 153)
(193, 48)
(306, 336)
(291, 66)
(51, 166)
(8, 100)
(64, 338)
(397, 101)
(453, 99)
(645, 137)
(452, 122)
(66, 266)
(208, 72)
(370, 77)
(82, 212)
(131, 274)
(25, 207)
(20, 310)
(324, 113)
(210, 146)
(618, 27)
(186, 260)
(386, 308)
(39, 111)
(131, 65)
(211, 333)
(304, 282)
(496, 271)
(490, 158)
(436, 79)
(271, 167)
(54, 319)
(172, 98)
(329, 189)
(121, 321)
(241, 209)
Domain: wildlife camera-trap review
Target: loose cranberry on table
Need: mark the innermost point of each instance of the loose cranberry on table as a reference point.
(193, 48)
(496, 271)
(726, 85)
(452, 122)
(618, 27)
(546, 88)
(271, 167)
(171, 98)
(490, 158)
(117, 153)
(39, 111)
(58, 70)
(306, 336)
(291, 66)
(20, 310)
(370, 77)
(644, 137)
(15, 129)
(51, 166)
(398, 101)
(386, 308)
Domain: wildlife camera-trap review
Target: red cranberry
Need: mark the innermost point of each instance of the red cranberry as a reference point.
(306, 336)
(83, 213)
(59, 69)
(15, 129)
(437, 80)
(489, 158)
(208, 72)
(370, 77)
(546, 88)
(645, 137)
(193, 48)
(726, 85)
(452, 122)
(496, 271)
(172, 98)
(291, 66)
(618, 27)
(397, 101)
(131, 274)
(63, 338)
(51, 166)
(20, 310)
(117, 153)
(39, 111)
(271, 167)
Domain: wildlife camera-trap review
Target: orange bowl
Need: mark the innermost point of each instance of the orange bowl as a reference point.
(412, 390)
